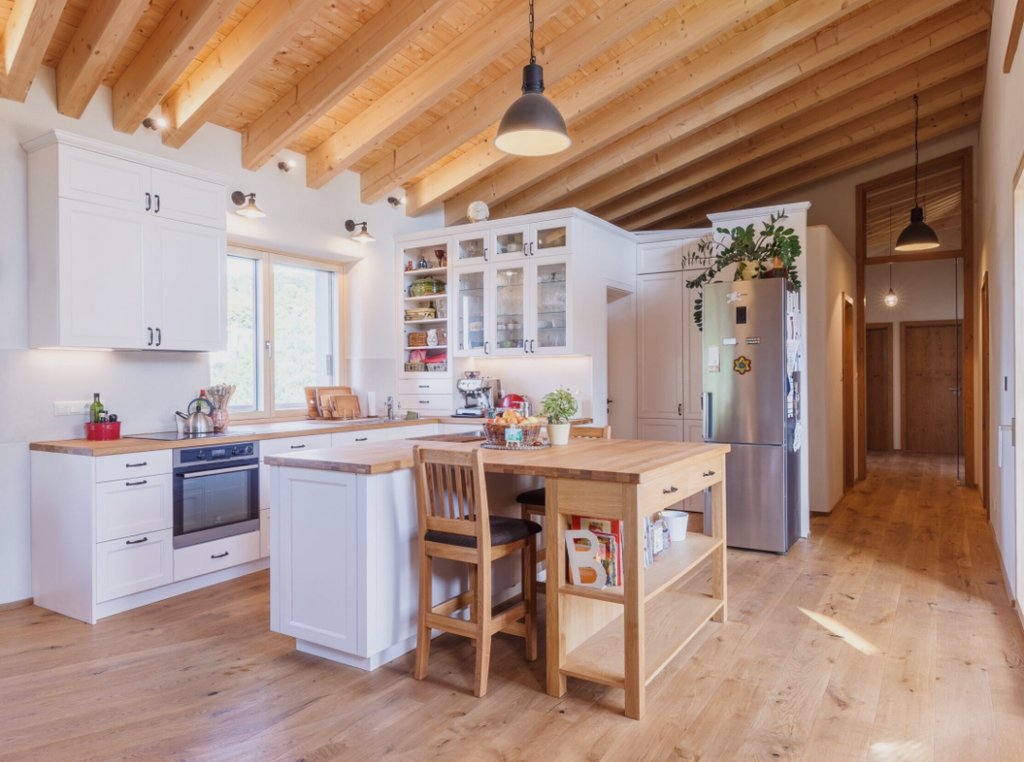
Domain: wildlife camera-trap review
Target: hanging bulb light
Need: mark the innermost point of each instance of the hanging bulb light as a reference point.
(891, 300)
(532, 126)
(917, 236)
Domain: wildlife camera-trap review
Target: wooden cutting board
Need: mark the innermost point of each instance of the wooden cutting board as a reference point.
(340, 406)
(314, 395)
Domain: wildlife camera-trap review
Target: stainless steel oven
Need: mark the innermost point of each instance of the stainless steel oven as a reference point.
(216, 492)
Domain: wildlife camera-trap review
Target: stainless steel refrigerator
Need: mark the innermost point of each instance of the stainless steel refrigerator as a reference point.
(752, 402)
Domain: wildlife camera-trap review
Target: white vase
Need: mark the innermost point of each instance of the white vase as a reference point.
(558, 433)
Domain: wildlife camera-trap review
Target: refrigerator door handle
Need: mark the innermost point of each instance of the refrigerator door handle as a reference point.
(707, 415)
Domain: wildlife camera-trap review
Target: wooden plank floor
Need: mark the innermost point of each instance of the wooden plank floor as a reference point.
(885, 637)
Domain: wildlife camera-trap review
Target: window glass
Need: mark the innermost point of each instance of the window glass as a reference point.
(238, 365)
(303, 332)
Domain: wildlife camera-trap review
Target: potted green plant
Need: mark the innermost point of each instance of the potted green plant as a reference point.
(559, 406)
(751, 252)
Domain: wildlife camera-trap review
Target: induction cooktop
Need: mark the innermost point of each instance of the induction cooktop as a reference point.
(174, 436)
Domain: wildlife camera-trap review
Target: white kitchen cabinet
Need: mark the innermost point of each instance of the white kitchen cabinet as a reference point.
(126, 250)
(534, 239)
(134, 564)
(693, 431)
(424, 386)
(661, 430)
(693, 353)
(507, 328)
(471, 304)
(342, 438)
(264, 534)
(134, 506)
(186, 299)
(659, 257)
(283, 446)
(426, 404)
(473, 248)
(133, 465)
(216, 555)
(660, 330)
(549, 304)
(408, 432)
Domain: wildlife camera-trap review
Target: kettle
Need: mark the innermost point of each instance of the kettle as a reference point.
(196, 422)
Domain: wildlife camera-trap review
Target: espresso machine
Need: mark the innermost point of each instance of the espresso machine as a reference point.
(480, 394)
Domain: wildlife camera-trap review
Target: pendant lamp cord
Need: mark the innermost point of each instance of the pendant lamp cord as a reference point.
(917, 116)
(532, 55)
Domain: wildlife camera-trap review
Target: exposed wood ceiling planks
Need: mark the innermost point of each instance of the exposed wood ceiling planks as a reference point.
(675, 107)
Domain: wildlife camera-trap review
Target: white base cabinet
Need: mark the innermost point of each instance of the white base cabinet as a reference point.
(134, 564)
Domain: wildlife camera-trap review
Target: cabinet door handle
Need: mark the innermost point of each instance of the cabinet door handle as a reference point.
(423, 386)
(526, 346)
(157, 197)
(487, 349)
(533, 347)
(136, 465)
(135, 542)
(297, 447)
(361, 439)
(136, 484)
(159, 337)
(680, 410)
(150, 337)
(670, 490)
(485, 254)
(149, 201)
(424, 402)
(220, 555)
(708, 473)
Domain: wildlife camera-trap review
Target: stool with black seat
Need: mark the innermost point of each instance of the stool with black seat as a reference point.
(455, 523)
(534, 502)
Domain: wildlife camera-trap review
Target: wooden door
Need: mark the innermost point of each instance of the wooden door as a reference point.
(849, 472)
(878, 356)
(660, 321)
(930, 402)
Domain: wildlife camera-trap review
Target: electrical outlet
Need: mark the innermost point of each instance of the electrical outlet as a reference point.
(71, 408)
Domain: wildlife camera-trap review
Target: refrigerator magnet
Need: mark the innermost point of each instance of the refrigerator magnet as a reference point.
(742, 365)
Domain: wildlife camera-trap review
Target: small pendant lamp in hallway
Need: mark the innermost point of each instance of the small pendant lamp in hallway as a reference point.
(532, 126)
(891, 300)
(917, 236)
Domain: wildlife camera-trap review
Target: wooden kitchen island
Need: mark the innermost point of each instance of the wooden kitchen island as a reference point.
(621, 637)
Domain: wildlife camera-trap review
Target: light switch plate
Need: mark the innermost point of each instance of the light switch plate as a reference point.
(71, 408)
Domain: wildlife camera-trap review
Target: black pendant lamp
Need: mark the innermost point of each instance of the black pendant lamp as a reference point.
(532, 125)
(917, 236)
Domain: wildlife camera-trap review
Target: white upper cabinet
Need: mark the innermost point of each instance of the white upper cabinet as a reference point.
(660, 317)
(126, 251)
(511, 242)
(473, 248)
(470, 304)
(550, 239)
(186, 268)
(659, 257)
(550, 323)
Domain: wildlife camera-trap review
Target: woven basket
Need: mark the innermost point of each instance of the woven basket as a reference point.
(424, 313)
(437, 367)
(415, 367)
(418, 339)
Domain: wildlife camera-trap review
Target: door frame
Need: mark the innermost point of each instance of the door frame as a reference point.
(965, 160)
(986, 399)
(848, 363)
(890, 415)
(903, 373)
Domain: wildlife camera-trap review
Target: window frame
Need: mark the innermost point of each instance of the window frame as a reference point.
(266, 410)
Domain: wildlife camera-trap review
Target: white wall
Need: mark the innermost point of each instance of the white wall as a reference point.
(1001, 145)
(926, 291)
(829, 275)
(145, 388)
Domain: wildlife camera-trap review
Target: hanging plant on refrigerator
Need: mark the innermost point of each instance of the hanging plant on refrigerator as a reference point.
(751, 252)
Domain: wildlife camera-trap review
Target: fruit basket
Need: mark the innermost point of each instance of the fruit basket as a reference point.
(511, 429)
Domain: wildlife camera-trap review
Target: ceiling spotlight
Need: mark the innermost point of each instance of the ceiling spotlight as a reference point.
(154, 124)
(362, 236)
(286, 166)
(396, 202)
(248, 203)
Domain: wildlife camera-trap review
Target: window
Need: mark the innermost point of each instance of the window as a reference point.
(282, 332)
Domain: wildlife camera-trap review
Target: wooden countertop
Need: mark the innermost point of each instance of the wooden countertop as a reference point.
(611, 460)
(246, 433)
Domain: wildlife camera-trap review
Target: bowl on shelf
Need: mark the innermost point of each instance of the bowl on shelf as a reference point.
(426, 286)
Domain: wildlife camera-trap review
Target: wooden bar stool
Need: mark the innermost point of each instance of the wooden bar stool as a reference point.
(455, 523)
(532, 503)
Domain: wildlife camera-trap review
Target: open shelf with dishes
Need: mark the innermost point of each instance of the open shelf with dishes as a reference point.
(423, 318)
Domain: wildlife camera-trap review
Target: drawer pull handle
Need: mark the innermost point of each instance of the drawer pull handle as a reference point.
(136, 484)
(135, 542)
(136, 465)
(297, 447)
(220, 555)
(423, 386)
(361, 439)
(709, 473)
(424, 402)
(670, 490)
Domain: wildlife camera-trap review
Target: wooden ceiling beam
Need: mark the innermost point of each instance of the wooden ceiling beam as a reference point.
(236, 60)
(23, 44)
(942, 75)
(838, 46)
(624, 168)
(853, 155)
(1014, 41)
(730, 171)
(92, 51)
(376, 42)
(464, 56)
(186, 28)
(562, 56)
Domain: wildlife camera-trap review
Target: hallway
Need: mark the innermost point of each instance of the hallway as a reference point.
(885, 637)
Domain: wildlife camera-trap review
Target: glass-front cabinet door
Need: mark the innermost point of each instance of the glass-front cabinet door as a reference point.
(510, 312)
(549, 307)
(511, 243)
(471, 313)
(472, 249)
(551, 238)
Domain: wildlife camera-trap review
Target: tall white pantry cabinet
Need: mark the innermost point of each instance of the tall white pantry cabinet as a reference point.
(126, 250)
(669, 346)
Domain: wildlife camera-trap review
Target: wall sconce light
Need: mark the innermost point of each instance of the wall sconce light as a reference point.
(247, 202)
(286, 166)
(396, 202)
(362, 236)
(154, 124)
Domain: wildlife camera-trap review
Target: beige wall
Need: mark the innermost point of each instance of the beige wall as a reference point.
(1001, 145)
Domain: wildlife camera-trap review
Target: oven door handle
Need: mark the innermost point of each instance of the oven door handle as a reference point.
(216, 471)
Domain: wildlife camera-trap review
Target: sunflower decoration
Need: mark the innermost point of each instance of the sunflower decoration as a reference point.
(742, 365)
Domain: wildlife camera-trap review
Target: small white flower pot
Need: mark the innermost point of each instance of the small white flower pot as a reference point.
(558, 433)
